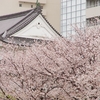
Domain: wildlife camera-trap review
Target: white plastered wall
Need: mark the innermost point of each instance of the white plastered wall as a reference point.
(37, 29)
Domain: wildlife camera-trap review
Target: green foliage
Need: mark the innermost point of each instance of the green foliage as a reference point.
(3, 96)
(9, 97)
(37, 3)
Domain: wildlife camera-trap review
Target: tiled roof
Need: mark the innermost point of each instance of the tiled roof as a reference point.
(12, 23)
(17, 21)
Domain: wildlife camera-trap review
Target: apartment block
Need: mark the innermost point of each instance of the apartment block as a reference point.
(73, 12)
(93, 12)
(51, 9)
(81, 13)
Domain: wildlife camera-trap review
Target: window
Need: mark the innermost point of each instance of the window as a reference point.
(78, 2)
(64, 4)
(78, 13)
(78, 7)
(73, 20)
(73, 14)
(64, 34)
(69, 15)
(84, 1)
(73, 32)
(68, 27)
(69, 9)
(31, 6)
(78, 19)
(68, 21)
(68, 3)
(79, 25)
(83, 18)
(83, 12)
(63, 22)
(73, 2)
(63, 0)
(64, 10)
(73, 8)
(20, 5)
(64, 28)
(64, 16)
(83, 6)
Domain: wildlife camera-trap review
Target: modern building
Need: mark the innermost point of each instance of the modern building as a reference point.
(51, 9)
(73, 12)
(79, 13)
(26, 27)
(93, 12)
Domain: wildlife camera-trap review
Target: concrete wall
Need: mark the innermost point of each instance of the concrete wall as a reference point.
(53, 13)
(51, 9)
(92, 12)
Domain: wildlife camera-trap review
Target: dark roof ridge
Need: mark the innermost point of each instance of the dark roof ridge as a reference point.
(18, 14)
(20, 24)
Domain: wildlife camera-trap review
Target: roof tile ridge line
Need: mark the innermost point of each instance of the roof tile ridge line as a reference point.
(33, 10)
(15, 13)
(19, 23)
(51, 25)
(21, 19)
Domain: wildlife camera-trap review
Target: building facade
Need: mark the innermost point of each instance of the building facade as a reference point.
(73, 12)
(93, 12)
(80, 13)
(83, 13)
(51, 9)
(26, 27)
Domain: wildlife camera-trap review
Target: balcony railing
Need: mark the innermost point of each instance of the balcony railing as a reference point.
(92, 3)
(93, 21)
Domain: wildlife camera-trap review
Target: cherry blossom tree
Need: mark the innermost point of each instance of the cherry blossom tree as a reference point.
(53, 70)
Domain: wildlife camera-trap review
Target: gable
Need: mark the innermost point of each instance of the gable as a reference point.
(37, 29)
